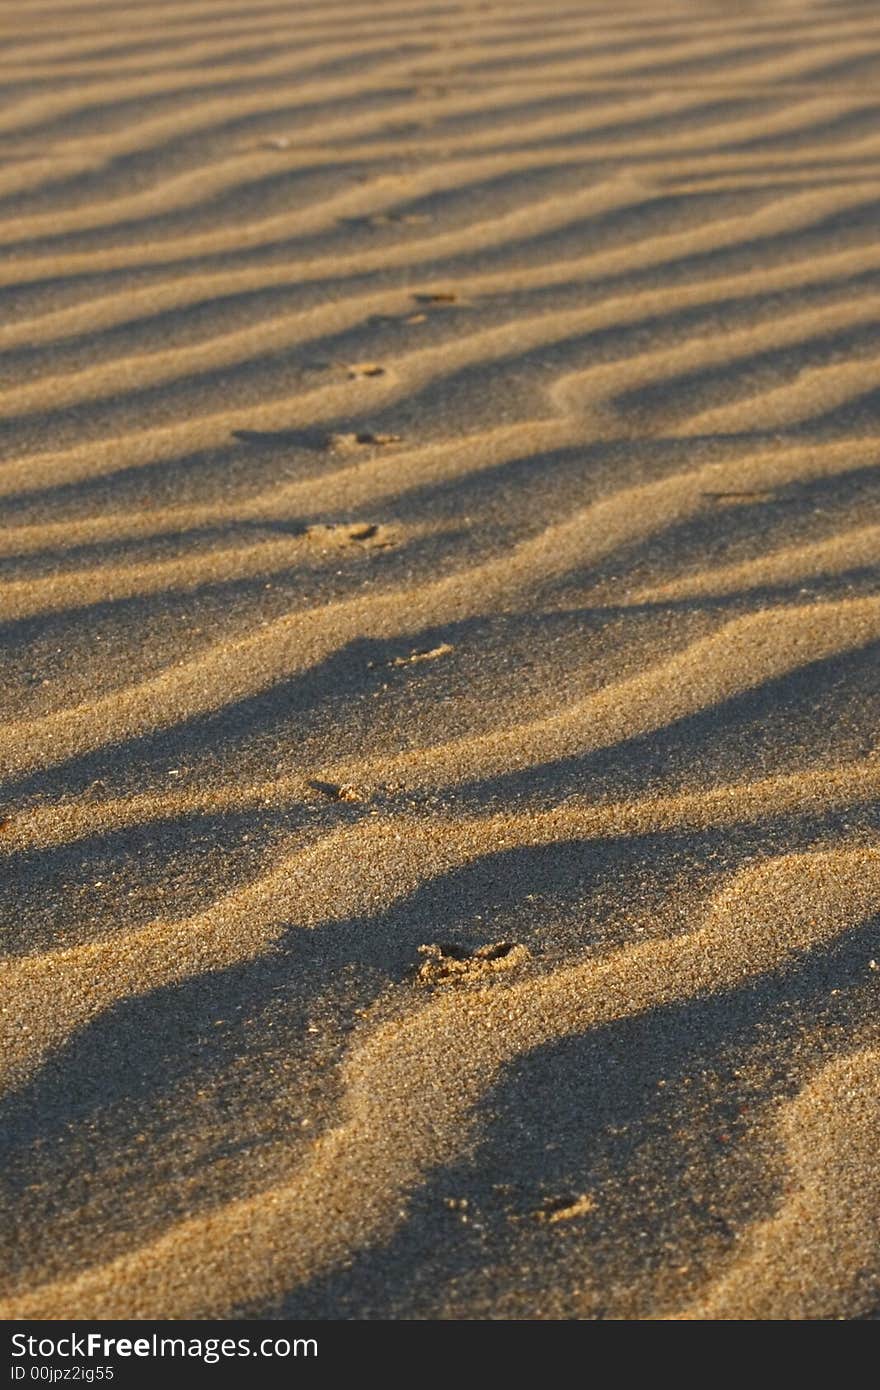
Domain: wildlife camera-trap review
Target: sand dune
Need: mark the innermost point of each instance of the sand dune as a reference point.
(438, 583)
(401, 1119)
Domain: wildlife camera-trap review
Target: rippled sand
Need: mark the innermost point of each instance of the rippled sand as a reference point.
(440, 621)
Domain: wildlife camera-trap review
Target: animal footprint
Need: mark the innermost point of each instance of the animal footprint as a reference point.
(567, 1208)
(386, 219)
(349, 441)
(335, 792)
(367, 534)
(446, 964)
(741, 498)
(440, 297)
(422, 654)
(362, 369)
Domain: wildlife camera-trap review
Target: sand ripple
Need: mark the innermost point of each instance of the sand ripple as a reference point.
(440, 521)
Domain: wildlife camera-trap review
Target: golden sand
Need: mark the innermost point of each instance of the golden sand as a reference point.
(438, 578)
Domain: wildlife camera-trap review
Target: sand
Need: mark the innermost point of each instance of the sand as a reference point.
(438, 577)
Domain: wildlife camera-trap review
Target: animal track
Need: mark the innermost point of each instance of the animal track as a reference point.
(436, 297)
(352, 441)
(363, 369)
(334, 791)
(556, 1209)
(450, 964)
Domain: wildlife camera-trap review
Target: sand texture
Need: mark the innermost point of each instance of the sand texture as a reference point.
(439, 607)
